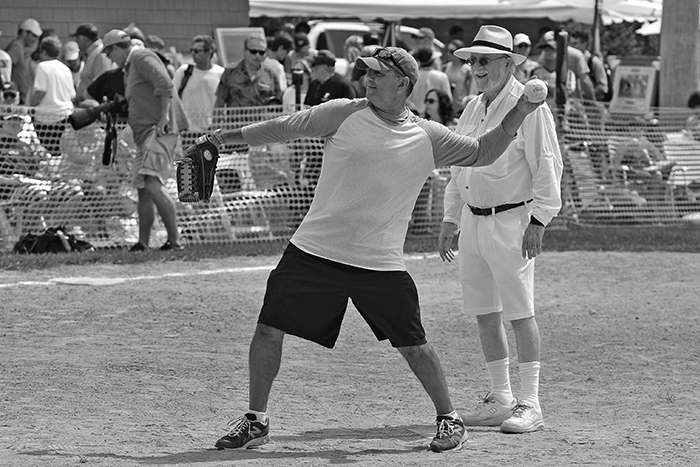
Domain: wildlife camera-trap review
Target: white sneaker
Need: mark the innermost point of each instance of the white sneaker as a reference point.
(489, 412)
(524, 420)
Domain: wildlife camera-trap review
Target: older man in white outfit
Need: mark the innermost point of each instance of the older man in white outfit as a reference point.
(502, 210)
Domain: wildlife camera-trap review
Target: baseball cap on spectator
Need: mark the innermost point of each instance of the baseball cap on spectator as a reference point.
(548, 40)
(393, 58)
(31, 25)
(71, 51)
(300, 40)
(323, 57)
(521, 38)
(88, 30)
(115, 36)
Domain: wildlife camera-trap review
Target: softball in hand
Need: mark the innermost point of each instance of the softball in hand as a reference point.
(536, 90)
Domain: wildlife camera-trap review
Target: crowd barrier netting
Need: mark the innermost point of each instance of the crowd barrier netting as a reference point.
(53, 175)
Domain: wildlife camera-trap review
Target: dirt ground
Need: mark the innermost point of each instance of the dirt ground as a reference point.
(149, 370)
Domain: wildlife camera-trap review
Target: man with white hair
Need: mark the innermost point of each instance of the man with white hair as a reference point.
(502, 210)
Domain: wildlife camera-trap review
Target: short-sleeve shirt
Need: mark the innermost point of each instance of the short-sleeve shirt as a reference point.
(237, 88)
(371, 175)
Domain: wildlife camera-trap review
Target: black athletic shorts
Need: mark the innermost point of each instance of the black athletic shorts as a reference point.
(307, 297)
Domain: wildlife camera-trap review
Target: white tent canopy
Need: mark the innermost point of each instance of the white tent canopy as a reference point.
(396, 10)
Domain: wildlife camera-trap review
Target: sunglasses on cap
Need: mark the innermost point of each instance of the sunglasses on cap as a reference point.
(383, 54)
(256, 52)
(483, 61)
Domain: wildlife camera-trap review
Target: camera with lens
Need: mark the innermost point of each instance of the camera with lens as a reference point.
(117, 107)
(82, 117)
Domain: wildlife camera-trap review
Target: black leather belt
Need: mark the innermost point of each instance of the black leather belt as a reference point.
(496, 209)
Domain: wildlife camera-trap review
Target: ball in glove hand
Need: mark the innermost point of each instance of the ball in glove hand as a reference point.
(536, 90)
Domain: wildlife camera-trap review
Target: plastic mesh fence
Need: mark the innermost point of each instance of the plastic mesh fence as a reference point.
(624, 168)
(56, 177)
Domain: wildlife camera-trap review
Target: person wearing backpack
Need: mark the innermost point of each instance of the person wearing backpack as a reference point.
(598, 71)
(196, 85)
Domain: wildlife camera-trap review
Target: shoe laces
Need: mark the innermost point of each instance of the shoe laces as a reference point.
(238, 425)
(489, 398)
(445, 428)
(520, 409)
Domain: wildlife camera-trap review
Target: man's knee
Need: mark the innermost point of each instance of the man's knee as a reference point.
(414, 352)
(268, 333)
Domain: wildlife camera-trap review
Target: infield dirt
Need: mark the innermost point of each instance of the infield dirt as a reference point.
(149, 370)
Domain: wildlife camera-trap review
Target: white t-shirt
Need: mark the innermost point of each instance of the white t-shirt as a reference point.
(199, 94)
(56, 80)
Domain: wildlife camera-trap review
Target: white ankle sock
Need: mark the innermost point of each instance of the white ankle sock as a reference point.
(530, 383)
(500, 380)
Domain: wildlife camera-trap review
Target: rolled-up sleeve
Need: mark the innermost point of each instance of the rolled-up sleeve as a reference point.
(543, 156)
(453, 201)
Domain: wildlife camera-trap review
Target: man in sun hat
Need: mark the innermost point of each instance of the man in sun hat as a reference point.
(377, 157)
(502, 211)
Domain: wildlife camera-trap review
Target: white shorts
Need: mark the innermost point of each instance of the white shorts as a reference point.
(494, 275)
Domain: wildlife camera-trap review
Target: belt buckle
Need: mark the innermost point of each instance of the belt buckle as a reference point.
(493, 211)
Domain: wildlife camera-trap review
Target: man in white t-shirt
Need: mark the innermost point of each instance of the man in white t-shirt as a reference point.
(196, 83)
(53, 94)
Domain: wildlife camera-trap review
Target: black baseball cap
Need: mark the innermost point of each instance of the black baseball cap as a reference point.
(88, 30)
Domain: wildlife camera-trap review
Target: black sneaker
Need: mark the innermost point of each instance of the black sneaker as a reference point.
(246, 432)
(138, 247)
(168, 246)
(451, 433)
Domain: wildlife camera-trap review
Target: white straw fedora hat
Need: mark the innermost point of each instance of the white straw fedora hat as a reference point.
(491, 40)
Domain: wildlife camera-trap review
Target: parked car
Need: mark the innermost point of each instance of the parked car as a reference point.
(331, 35)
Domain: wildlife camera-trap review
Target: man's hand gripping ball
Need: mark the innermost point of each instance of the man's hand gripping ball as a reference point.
(197, 169)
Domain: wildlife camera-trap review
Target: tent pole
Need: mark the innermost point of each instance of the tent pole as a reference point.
(596, 28)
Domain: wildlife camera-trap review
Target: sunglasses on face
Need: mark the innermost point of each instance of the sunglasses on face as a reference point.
(384, 54)
(483, 61)
(9, 95)
(256, 52)
(196, 51)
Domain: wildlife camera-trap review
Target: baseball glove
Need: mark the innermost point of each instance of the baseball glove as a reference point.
(197, 169)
